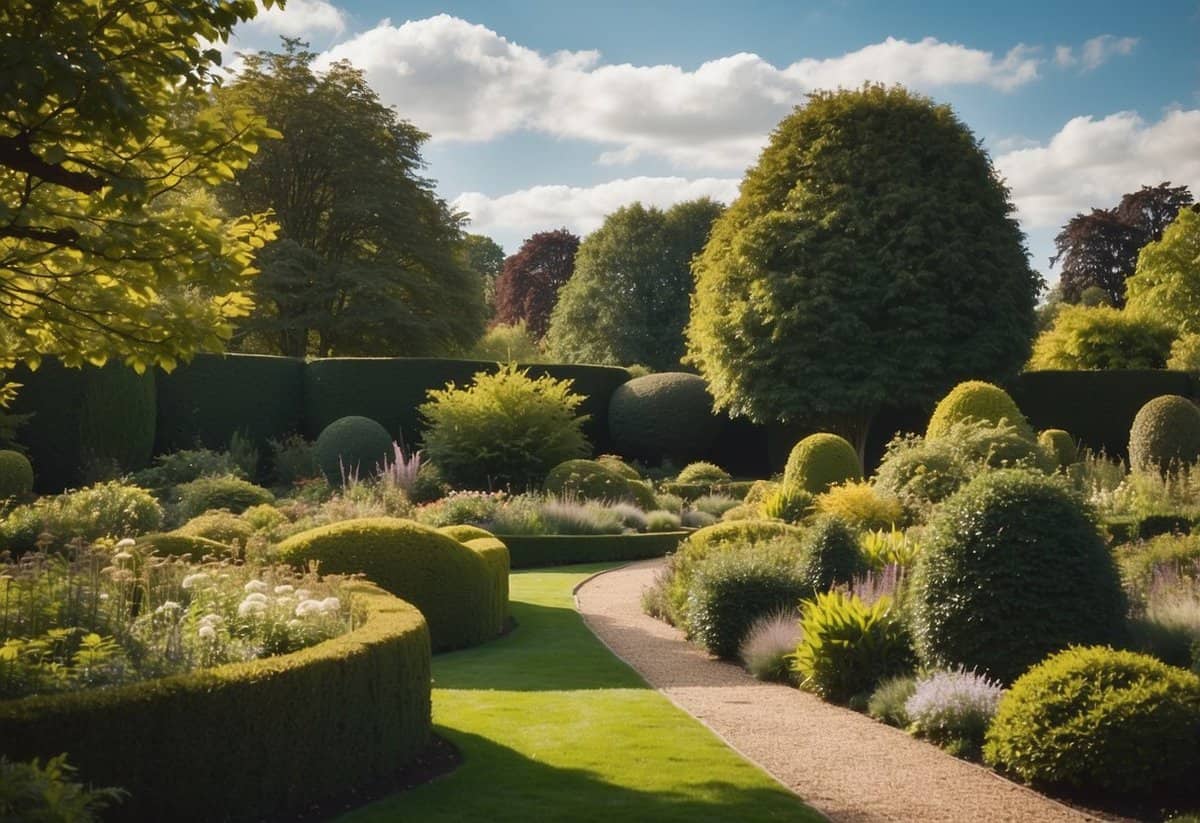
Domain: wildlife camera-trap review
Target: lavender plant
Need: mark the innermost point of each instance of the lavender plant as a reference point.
(768, 644)
(953, 709)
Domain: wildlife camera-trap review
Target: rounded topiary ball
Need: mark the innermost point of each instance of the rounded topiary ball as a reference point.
(16, 475)
(1165, 431)
(821, 460)
(1100, 720)
(586, 479)
(665, 415)
(1013, 570)
(703, 472)
(1060, 445)
(976, 400)
(351, 445)
(830, 554)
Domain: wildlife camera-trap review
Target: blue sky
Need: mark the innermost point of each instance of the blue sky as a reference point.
(547, 114)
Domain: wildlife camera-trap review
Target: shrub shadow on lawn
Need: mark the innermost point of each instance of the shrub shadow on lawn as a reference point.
(549, 649)
(500, 784)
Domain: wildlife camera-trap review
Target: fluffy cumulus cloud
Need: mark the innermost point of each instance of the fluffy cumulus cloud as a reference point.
(461, 81)
(1093, 161)
(317, 22)
(1095, 52)
(581, 208)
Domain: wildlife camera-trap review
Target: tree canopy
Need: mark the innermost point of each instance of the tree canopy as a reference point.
(528, 285)
(870, 257)
(1167, 280)
(108, 247)
(485, 257)
(1101, 337)
(1100, 249)
(628, 300)
(369, 260)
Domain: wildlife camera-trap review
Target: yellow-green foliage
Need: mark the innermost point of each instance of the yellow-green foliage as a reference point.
(365, 696)
(760, 490)
(16, 474)
(220, 526)
(263, 516)
(1096, 719)
(1185, 353)
(448, 582)
(1100, 337)
(746, 511)
(1165, 431)
(464, 532)
(861, 505)
(976, 400)
(507, 343)
(493, 550)
(710, 540)
(207, 493)
(848, 646)
(589, 480)
(1060, 445)
(788, 503)
(616, 464)
(1166, 283)
(191, 547)
(506, 428)
(820, 460)
(703, 472)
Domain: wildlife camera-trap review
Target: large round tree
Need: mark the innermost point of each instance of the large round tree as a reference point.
(870, 257)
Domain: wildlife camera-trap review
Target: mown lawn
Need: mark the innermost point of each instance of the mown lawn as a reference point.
(553, 727)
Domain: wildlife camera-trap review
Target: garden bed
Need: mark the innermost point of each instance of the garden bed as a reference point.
(528, 551)
(247, 740)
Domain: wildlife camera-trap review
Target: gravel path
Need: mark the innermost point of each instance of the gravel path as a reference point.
(845, 764)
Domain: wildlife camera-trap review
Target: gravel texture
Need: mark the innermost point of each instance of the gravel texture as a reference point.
(847, 765)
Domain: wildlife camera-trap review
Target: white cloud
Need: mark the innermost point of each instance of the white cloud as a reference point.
(1091, 162)
(581, 208)
(461, 81)
(1095, 52)
(317, 22)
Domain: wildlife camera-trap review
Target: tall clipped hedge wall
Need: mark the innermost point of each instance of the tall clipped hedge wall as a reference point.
(84, 416)
(247, 741)
(389, 389)
(529, 551)
(1096, 407)
(209, 399)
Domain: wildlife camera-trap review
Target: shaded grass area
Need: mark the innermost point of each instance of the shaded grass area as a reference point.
(552, 727)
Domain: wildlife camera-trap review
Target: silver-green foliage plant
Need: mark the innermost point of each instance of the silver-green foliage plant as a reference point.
(505, 429)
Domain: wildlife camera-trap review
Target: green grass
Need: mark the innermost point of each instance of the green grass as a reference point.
(553, 727)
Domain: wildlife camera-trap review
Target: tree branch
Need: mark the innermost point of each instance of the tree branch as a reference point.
(16, 154)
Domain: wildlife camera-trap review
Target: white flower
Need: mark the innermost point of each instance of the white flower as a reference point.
(331, 605)
(211, 619)
(122, 556)
(256, 597)
(303, 594)
(168, 607)
(308, 607)
(285, 589)
(192, 579)
(207, 632)
(103, 596)
(251, 608)
(255, 586)
(126, 543)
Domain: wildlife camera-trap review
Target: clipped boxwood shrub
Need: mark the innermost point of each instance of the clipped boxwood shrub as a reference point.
(189, 546)
(703, 472)
(730, 591)
(86, 422)
(1165, 431)
(499, 564)
(976, 400)
(351, 447)
(819, 461)
(862, 505)
(668, 415)
(346, 712)
(616, 464)
(691, 491)
(16, 475)
(830, 554)
(920, 473)
(505, 429)
(221, 526)
(1013, 569)
(212, 397)
(464, 532)
(448, 582)
(208, 493)
(1096, 719)
(1060, 445)
(588, 480)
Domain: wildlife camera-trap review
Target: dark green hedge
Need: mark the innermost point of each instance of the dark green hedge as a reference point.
(84, 419)
(389, 390)
(528, 551)
(1096, 407)
(247, 741)
(209, 399)
(691, 491)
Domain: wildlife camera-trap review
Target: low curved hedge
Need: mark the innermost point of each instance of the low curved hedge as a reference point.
(528, 551)
(191, 546)
(495, 553)
(449, 583)
(247, 741)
